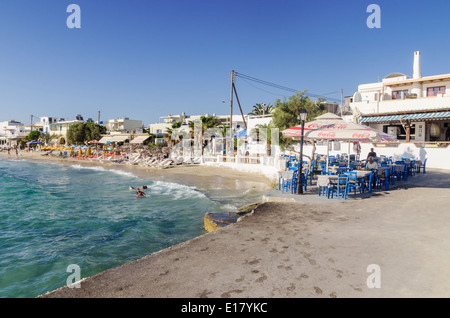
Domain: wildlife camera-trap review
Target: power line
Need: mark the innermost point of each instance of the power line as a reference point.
(280, 87)
(262, 89)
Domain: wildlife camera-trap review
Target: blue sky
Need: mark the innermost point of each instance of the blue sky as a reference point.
(144, 59)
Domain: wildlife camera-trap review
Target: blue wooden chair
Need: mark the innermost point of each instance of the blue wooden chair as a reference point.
(422, 166)
(383, 180)
(339, 188)
(288, 183)
(352, 184)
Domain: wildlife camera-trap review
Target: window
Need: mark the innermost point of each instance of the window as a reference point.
(397, 94)
(434, 91)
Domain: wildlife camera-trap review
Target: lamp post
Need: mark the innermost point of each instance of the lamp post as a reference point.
(302, 118)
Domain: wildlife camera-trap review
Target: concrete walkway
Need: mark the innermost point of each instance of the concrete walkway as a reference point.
(305, 249)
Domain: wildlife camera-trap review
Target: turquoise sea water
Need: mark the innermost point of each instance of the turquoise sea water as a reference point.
(55, 215)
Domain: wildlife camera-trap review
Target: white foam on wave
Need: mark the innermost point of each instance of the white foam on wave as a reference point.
(230, 207)
(96, 168)
(175, 190)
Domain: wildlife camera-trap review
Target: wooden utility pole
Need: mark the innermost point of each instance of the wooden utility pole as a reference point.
(237, 98)
(231, 147)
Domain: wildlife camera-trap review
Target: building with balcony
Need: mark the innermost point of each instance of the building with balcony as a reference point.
(124, 125)
(11, 132)
(60, 129)
(415, 109)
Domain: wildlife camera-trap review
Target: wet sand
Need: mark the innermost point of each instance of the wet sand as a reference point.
(304, 250)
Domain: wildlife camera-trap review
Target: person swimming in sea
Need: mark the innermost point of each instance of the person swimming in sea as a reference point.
(141, 188)
(140, 193)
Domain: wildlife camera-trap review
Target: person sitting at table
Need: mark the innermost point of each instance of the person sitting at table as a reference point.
(371, 153)
(372, 165)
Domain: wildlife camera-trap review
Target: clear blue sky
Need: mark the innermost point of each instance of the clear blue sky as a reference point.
(145, 58)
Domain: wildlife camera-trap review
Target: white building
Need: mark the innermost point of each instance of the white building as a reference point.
(123, 125)
(412, 108)
(45, 123)
(60, 129)
(160, 129)
(11, 132)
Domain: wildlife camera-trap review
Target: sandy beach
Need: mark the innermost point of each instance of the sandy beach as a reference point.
(299, 249)
(201, 176)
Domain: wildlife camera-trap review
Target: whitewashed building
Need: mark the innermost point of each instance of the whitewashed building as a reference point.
(415, 109)
(124, 125)
(11, 132)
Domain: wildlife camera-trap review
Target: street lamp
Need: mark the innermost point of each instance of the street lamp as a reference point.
(302, 118)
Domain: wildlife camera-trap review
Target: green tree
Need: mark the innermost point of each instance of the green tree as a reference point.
(33, 135)
(285, 114)
(261, 109)
(265, 134)
(81, 133)
(177, 124)
(207, 122)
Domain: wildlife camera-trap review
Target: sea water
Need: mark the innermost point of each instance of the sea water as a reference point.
(52, 216)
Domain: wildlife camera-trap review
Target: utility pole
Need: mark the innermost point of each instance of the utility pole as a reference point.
(98, 122)
(342, 100)
(231, 146)
(31, 123)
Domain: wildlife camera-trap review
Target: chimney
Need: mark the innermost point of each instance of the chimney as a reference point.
(416, 70)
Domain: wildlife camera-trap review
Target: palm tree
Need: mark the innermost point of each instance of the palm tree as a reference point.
(261, 109)
(206, 123)
(265, 134)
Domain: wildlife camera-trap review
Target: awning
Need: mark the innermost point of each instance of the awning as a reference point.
(119, 138)
(105, 139)
(381, 118)
(413, 117)
(139, 139)
(439, 115)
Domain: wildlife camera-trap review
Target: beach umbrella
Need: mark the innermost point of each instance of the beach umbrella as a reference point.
(88, 152)
(33, 142)
(331, 127)
(93, 142)
(71, 151)
(80, 152)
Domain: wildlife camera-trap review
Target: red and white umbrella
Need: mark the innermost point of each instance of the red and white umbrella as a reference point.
(333, 127)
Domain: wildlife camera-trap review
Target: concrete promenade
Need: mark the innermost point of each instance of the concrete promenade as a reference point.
(305, 249)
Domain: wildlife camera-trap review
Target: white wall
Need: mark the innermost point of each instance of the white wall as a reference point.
(437, 157)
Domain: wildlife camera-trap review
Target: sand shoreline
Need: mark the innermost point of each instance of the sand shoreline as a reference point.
(192, 175)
